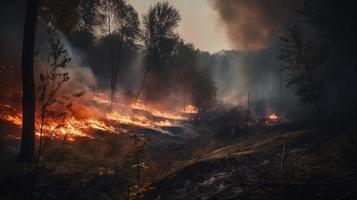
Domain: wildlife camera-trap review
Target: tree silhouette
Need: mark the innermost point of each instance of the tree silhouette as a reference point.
(89, 14)
(63, 15)
(121, 25)
(27, 147)
(159, 39)
(303, 58)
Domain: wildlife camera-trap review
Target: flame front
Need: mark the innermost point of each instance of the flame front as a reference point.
(109, 120)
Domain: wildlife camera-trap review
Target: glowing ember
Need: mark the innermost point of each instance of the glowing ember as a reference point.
(15, 119)
(273, 117)
(190, 109)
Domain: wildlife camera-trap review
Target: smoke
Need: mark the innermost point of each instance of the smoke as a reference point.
(81, 81)
(238, 74)
(251, 24)
(84, 77)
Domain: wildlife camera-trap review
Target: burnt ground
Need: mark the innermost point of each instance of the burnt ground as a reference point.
(197, 161)
(302, 164)
(100, 168)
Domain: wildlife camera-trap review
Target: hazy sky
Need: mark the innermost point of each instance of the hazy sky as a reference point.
(199, 24)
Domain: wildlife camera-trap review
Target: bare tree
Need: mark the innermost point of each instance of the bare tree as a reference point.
(51, 81)
(47, 93)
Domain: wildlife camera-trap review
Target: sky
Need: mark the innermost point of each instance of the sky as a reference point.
(199, 25)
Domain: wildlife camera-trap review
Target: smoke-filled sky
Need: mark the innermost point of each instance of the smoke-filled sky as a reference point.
(247, 26)
(199, 25)
(251, 24)
(214, 25)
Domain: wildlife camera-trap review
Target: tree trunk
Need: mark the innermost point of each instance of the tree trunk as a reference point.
(27, 148)
(115, 71)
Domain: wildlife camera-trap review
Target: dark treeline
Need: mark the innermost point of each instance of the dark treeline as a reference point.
(319, 57)
(148, 61)
(119, 48)
(311, 42)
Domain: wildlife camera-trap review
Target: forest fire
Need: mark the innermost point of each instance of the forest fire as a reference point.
(73, 126)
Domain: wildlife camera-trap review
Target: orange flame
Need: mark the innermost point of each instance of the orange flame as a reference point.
(273, 117)
(109, 121)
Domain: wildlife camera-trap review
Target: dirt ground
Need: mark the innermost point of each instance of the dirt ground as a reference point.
(287, 161)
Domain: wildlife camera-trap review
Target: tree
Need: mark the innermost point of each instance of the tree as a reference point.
(335, 21)
(159, 39)
(184, 65)
(63, 15)
(203, 92)
(49, 85)
(27, 148)
(89, 14)
(84, 36)
(121, 25)
(159, 36)
(185, 55)
(304, 58)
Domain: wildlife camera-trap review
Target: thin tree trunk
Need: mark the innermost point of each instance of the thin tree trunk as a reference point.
(115, 70)
(248, 108)
(137, 173)
(27, 148)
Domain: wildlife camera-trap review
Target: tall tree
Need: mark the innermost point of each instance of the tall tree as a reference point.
(159, 39)
(27, 148)
(63, 15)
(89, 14)
(128, 30)
(121, 25)
(159, 34)
(84, 37)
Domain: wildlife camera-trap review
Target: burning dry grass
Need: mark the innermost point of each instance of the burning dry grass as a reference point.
(94, 112)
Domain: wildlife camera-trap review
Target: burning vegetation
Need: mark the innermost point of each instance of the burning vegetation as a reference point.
(112, 116)
(115, 104)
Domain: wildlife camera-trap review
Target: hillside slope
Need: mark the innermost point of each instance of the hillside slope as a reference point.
(306, 164)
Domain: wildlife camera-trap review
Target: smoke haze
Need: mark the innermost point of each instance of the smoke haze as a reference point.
(251, 24)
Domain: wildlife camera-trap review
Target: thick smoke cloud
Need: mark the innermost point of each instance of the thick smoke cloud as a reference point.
(251, 24)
